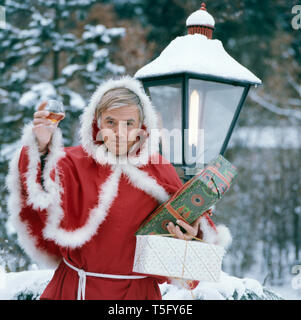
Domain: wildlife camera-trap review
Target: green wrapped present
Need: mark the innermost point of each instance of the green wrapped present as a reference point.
(194, 198)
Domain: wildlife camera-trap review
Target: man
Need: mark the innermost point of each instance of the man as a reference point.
(81, 211)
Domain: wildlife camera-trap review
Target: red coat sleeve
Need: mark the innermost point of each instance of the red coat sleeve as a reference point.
(28, 200)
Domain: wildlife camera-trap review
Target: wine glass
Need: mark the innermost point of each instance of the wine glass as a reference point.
(56, 110)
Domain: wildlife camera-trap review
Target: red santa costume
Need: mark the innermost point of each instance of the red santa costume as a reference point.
(83, 218)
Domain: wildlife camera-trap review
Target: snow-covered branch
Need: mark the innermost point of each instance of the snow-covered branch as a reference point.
(294, 84)
(291, 113)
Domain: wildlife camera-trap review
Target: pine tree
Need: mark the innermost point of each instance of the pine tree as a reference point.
(44, 56)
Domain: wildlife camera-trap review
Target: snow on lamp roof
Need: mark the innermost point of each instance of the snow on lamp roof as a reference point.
(195, 53)
(198, 53)
(200, 18)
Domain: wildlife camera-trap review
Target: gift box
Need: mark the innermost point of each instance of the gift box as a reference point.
(195, 197)
(177, 258)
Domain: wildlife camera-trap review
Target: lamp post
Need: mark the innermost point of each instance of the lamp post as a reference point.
(199, 91)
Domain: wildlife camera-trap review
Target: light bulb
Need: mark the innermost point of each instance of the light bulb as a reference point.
(193, 118)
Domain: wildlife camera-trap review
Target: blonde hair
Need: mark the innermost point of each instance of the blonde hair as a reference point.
(118, 97)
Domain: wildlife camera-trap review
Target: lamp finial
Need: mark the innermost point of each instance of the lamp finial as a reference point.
(201, 22)
(203, 6)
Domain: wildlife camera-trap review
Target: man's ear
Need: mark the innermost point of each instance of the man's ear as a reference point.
(99, 136)
(99, 122)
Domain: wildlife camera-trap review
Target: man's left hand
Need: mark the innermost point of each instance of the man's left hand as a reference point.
(191, 230)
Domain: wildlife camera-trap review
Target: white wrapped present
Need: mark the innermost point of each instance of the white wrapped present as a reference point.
(172, 257)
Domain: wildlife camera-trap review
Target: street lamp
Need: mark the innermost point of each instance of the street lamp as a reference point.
(199, 90)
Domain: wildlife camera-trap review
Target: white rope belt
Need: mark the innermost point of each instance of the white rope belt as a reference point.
(81, 291)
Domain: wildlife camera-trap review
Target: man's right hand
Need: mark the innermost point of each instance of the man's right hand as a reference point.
(43, 128)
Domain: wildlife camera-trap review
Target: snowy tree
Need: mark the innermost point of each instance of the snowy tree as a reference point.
(44, 56)
(46, 49)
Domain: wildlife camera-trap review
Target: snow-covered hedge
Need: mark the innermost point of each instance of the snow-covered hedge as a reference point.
(28, 285)
(228, 288)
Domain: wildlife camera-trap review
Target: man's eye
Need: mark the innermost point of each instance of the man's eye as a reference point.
(130, 123)
(110, 122)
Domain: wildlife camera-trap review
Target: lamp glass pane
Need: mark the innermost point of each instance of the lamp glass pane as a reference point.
(211, 109)
(167, 100)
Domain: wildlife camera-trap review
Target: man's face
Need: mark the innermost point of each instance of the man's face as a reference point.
(119, 128)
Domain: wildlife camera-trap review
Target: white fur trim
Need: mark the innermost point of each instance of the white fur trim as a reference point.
(224, 237)
(100, 152)
(221, 236)
(37, 197)
(209, 234)
(78, 237)
(26, 241)
(141, 180)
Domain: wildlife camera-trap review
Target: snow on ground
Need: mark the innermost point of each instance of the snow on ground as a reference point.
(228, 288)
(288, 292)
(30, 284)
(14, 283)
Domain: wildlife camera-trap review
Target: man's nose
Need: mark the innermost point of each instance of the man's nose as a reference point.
(121, 130)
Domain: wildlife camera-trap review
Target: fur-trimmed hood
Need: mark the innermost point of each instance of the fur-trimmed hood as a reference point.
(89, 127)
